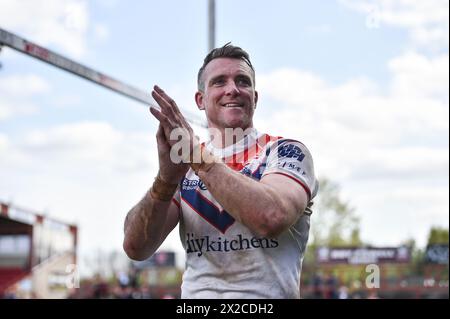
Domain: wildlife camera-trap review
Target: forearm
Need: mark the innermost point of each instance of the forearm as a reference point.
(144, 227)
(254, 204)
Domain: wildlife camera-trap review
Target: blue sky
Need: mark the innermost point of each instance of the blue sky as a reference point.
(363, 83)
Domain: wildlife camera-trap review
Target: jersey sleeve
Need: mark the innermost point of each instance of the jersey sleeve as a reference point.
(293, 160)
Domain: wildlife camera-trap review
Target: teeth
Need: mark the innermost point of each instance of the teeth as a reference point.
(232, 105)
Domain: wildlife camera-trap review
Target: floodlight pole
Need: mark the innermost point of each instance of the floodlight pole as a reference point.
(211, 25)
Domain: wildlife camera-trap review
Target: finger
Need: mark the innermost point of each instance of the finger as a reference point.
(173, 112)
(174, 106)
(168, 99)
(185, 123)
(166, 108)
(156, 113)
(160, 132)
(160, 136)
(165, 126)
(170, 108)
(163, 119)
(163, 105)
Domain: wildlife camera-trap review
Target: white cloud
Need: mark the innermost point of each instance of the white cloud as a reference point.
(393, 212)
(358, 109)
(81, 138)
(3, 142)
(63, 23)
(8, 110)
(92, 172)
(403, 163)
(16, 93)
(96, 144)
(427, 21)
(417, 75)
(23, 85)
(375, 143)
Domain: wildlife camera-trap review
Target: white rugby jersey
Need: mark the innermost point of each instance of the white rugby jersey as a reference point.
(224, 259)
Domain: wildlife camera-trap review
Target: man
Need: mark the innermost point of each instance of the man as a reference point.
(242, 200)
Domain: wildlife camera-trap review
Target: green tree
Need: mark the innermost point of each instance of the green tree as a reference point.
(333, 222)
(417, 256)
(438, 235)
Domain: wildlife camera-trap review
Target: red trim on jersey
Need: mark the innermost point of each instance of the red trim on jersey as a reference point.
(178, 205)
(235, 166)
(175, 202)
(193, 208)
(238, 161)
(208, 201)
(215, 206)
(306, 188)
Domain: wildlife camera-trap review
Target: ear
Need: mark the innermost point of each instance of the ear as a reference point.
(199, 100)
(256, 98)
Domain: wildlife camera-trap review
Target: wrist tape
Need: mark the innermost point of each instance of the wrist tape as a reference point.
(162, 190)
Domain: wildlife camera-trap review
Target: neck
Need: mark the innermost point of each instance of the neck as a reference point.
(224, 137)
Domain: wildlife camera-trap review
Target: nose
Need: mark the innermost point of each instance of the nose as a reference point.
(231, 89)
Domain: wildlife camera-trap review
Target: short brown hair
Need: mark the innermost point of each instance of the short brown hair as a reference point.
(227, 51)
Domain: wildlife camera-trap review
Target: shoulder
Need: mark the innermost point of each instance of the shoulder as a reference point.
(291, 158)
(287, 147)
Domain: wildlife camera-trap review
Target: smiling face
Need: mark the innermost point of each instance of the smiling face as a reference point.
(229, 97)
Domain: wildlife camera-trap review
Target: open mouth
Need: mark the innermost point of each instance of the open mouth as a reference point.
(230, 105)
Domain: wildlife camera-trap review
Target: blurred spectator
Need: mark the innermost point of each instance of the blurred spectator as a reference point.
(373, 295)
(318, 286)
(101, 291)
(343, 292)
(124, 280)
(331, 284)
